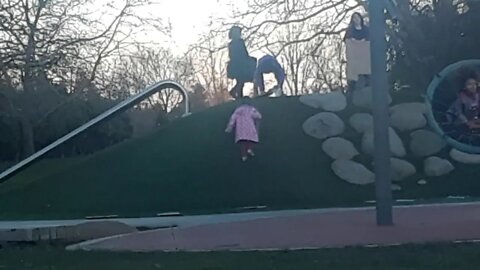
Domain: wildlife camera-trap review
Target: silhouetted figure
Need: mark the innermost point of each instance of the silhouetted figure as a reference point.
(241, 65)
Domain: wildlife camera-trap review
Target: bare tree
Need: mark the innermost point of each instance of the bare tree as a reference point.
(210, 66)
(48, 42)
(147, 66)
(305, 35)
(262, 20)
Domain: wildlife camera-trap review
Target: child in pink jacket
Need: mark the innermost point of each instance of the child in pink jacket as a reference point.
(245, 120)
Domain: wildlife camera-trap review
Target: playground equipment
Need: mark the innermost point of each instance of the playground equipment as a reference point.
(380, 111)
(119, 108)
(441, 94)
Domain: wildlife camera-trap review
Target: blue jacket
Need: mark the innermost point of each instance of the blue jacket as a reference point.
(268, 64)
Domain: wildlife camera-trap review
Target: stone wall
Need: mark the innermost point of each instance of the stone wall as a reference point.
(411, 140)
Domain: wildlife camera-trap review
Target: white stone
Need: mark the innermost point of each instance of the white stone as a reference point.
(401, 169)
(413, 107)
(408, 116)
(435, 166)
(464, 157)
(396, 145)
(363, 98)
(396, 187)
(422, 182)
(339, 148)
(361, 122)
(324, 125)
(424, 143)
(353, 172)
(332, 101)
(407, 121)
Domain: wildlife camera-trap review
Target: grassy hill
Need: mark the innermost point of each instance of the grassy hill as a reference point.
(192, 166)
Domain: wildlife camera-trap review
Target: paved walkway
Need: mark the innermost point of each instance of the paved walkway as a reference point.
(161, 222)
(350, 227)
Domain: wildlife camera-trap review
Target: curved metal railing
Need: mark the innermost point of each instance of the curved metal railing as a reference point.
(119, 108)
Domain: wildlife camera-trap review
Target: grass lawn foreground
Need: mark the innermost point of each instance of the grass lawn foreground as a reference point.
(438, 257)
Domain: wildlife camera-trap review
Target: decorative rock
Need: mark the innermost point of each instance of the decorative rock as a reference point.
(464, 157)
(339, 148)
(324, 125)
(404, 119)
(363, 98)
(413, 107)
(408, 116)
(435, 166)
(396, 188)
(396, 145)
(353, 172)
(313, 100)
(331, 101)
(422, 182)
(425, 143)
(361, 122)
(401, 169)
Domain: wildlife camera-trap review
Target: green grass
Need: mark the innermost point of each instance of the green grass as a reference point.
(40, 170)
(192, 166)
(438, 257)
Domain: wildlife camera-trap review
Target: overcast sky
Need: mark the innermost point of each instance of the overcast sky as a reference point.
(189, 18)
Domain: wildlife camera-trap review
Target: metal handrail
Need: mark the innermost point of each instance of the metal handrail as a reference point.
(119, 108)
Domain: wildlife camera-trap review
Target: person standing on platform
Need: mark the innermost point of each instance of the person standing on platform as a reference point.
(357, 41)
(241, 66)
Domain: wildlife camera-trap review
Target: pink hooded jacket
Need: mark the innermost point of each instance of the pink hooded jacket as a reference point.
(245, 120)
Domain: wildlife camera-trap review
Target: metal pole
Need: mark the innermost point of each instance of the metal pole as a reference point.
(380, 113)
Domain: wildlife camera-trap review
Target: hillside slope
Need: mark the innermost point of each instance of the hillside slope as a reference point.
(192, 166)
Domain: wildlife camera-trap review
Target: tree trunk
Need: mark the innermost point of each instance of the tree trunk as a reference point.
(28, 146)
